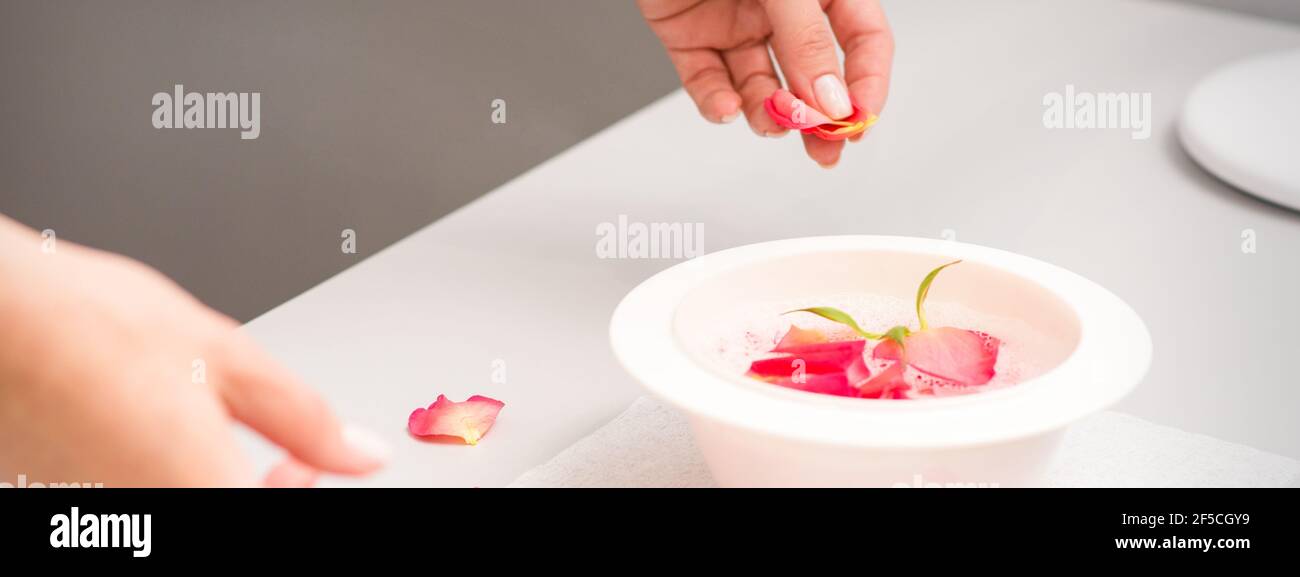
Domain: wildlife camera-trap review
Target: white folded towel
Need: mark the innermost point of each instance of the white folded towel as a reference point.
(650, 445)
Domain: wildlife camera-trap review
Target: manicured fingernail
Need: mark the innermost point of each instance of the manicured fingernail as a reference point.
(833, 96)
(367, 443)
(730, 117)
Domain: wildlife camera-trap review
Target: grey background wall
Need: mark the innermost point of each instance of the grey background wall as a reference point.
(375, 117)
(1282, 9)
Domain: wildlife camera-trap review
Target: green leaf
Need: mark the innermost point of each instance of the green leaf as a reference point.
(839, 316)
(924, 291)
(898, 333)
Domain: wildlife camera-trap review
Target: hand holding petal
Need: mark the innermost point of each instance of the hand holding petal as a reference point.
(790, 112)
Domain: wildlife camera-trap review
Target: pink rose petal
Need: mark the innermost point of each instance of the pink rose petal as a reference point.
(830, 384)
(469, 420)
(887, 350)
(889, 384)
(797, 340)
(790, 112)
(817, 359)
(857, 372)
(832, 368)
(957, 355)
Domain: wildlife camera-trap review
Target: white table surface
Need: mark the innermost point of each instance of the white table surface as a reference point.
(514, 276)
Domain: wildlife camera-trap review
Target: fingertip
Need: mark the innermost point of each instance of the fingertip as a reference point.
(349, 450)
(370, 450)
(764, 125)
(291, 474)
(272, 401)
(825, 153)
(833, 96)
(755, 80)
(722, 107)
(870, 93)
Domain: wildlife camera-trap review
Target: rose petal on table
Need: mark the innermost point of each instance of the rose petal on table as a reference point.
(469, 419)
(957, 355)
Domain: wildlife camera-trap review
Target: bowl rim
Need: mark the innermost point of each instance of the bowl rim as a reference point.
(644, 341)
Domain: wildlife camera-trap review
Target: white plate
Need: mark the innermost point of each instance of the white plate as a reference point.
(1242, 123)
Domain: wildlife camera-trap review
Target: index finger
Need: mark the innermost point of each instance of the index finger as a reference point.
(805, 48)
(863, 33)
(272, 401)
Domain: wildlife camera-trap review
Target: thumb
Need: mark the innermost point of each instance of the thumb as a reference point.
(272, 401)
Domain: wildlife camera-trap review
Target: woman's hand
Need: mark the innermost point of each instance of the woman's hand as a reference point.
(720, 50)
(110, 373)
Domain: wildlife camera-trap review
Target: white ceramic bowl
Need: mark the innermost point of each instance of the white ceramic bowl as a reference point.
(756, 434)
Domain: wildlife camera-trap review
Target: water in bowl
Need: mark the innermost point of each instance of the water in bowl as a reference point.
(756, 327)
